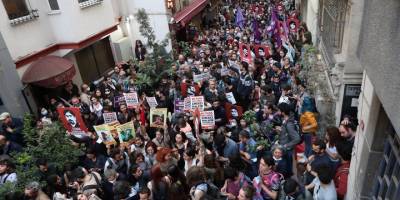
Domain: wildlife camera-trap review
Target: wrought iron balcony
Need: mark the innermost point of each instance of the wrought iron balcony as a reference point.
(88, 3)
(32, 15)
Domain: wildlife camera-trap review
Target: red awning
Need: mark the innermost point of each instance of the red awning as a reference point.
(49, 72)
(187, 13)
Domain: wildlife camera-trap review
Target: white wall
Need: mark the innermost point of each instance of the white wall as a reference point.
(72, 24)
(312, 18)
(158, 16)
(23, 39)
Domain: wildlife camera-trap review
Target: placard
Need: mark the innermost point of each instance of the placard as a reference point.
(201, 77)
(191, 103)
(230, 97)
(72, 120)
(187, 104)
(207, 119)
(118, 100)
(197, 102)
(158, 117)
(245, 52)
(178, 105)
(262, 51)
(131, 99)
(152, 101)
(110, 117)
(104, 134)
(224, 71)
(126, 132)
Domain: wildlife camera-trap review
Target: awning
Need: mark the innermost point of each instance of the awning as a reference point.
(187, 13)
(49, 72)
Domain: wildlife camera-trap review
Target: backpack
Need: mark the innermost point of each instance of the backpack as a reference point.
(98, 186)
(213, 192)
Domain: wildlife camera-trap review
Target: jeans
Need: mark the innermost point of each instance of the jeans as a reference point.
(307, 138)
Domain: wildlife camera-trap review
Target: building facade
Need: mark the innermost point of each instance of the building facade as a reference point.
(360, 45)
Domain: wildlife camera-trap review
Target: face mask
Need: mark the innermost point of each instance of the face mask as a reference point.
(44, 112)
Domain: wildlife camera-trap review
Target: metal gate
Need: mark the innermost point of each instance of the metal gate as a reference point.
(332, 21)
(387, 182)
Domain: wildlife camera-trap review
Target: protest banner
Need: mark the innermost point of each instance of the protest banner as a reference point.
(72, 120)
(245, 52)
(230, 97)
(126, 132)
(104, 134)
(118, 100)
(207, 119)
(158, 117)
(178, 105)
(131, 99)
(152, 101)
(109, 117)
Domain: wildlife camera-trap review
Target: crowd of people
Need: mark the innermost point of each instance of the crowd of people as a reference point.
(277, 154)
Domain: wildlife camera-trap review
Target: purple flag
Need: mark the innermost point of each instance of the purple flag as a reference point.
(239, 18)
(256, 31)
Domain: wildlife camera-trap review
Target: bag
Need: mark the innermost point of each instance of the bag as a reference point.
(213, 192)
(341, 180)
(98, 186)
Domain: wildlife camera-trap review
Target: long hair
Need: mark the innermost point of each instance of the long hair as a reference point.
(334, 135)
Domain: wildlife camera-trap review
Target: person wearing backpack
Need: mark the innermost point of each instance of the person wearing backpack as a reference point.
(87, 183)
(7, 173)
(200, 188)
(308, 124)
(289, 135)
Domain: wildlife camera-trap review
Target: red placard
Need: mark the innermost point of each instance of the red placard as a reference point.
(72, 119)
(262, 49)
(245, 52)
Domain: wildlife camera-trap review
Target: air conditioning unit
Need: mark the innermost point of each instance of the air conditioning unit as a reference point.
(123, 49)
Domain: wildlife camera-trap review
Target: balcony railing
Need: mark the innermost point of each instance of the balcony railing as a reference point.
(33, 14)
(88, 3)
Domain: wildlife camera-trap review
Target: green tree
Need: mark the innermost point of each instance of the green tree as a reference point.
(50, 142)
(158, 61)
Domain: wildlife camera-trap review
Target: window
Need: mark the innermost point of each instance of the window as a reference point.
(16, 8)
(54, 5)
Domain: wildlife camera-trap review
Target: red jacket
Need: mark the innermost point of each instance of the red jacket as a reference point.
(184, 88)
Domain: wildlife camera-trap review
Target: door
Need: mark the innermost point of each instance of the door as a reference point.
(95, 60)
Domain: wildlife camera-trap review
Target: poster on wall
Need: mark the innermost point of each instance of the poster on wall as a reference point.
(131, 99)
(109, 117)
(245, 52)
(126, 132)
(72, 120)
(158, 117)
(207, 119)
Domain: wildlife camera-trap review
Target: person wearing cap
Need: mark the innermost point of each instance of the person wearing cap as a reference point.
(12, 128)
(33, 191)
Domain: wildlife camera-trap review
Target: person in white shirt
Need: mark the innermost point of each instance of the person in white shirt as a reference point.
(324, 187)
(7, 173)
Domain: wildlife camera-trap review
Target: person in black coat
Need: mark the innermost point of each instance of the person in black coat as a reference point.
(140, 50)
